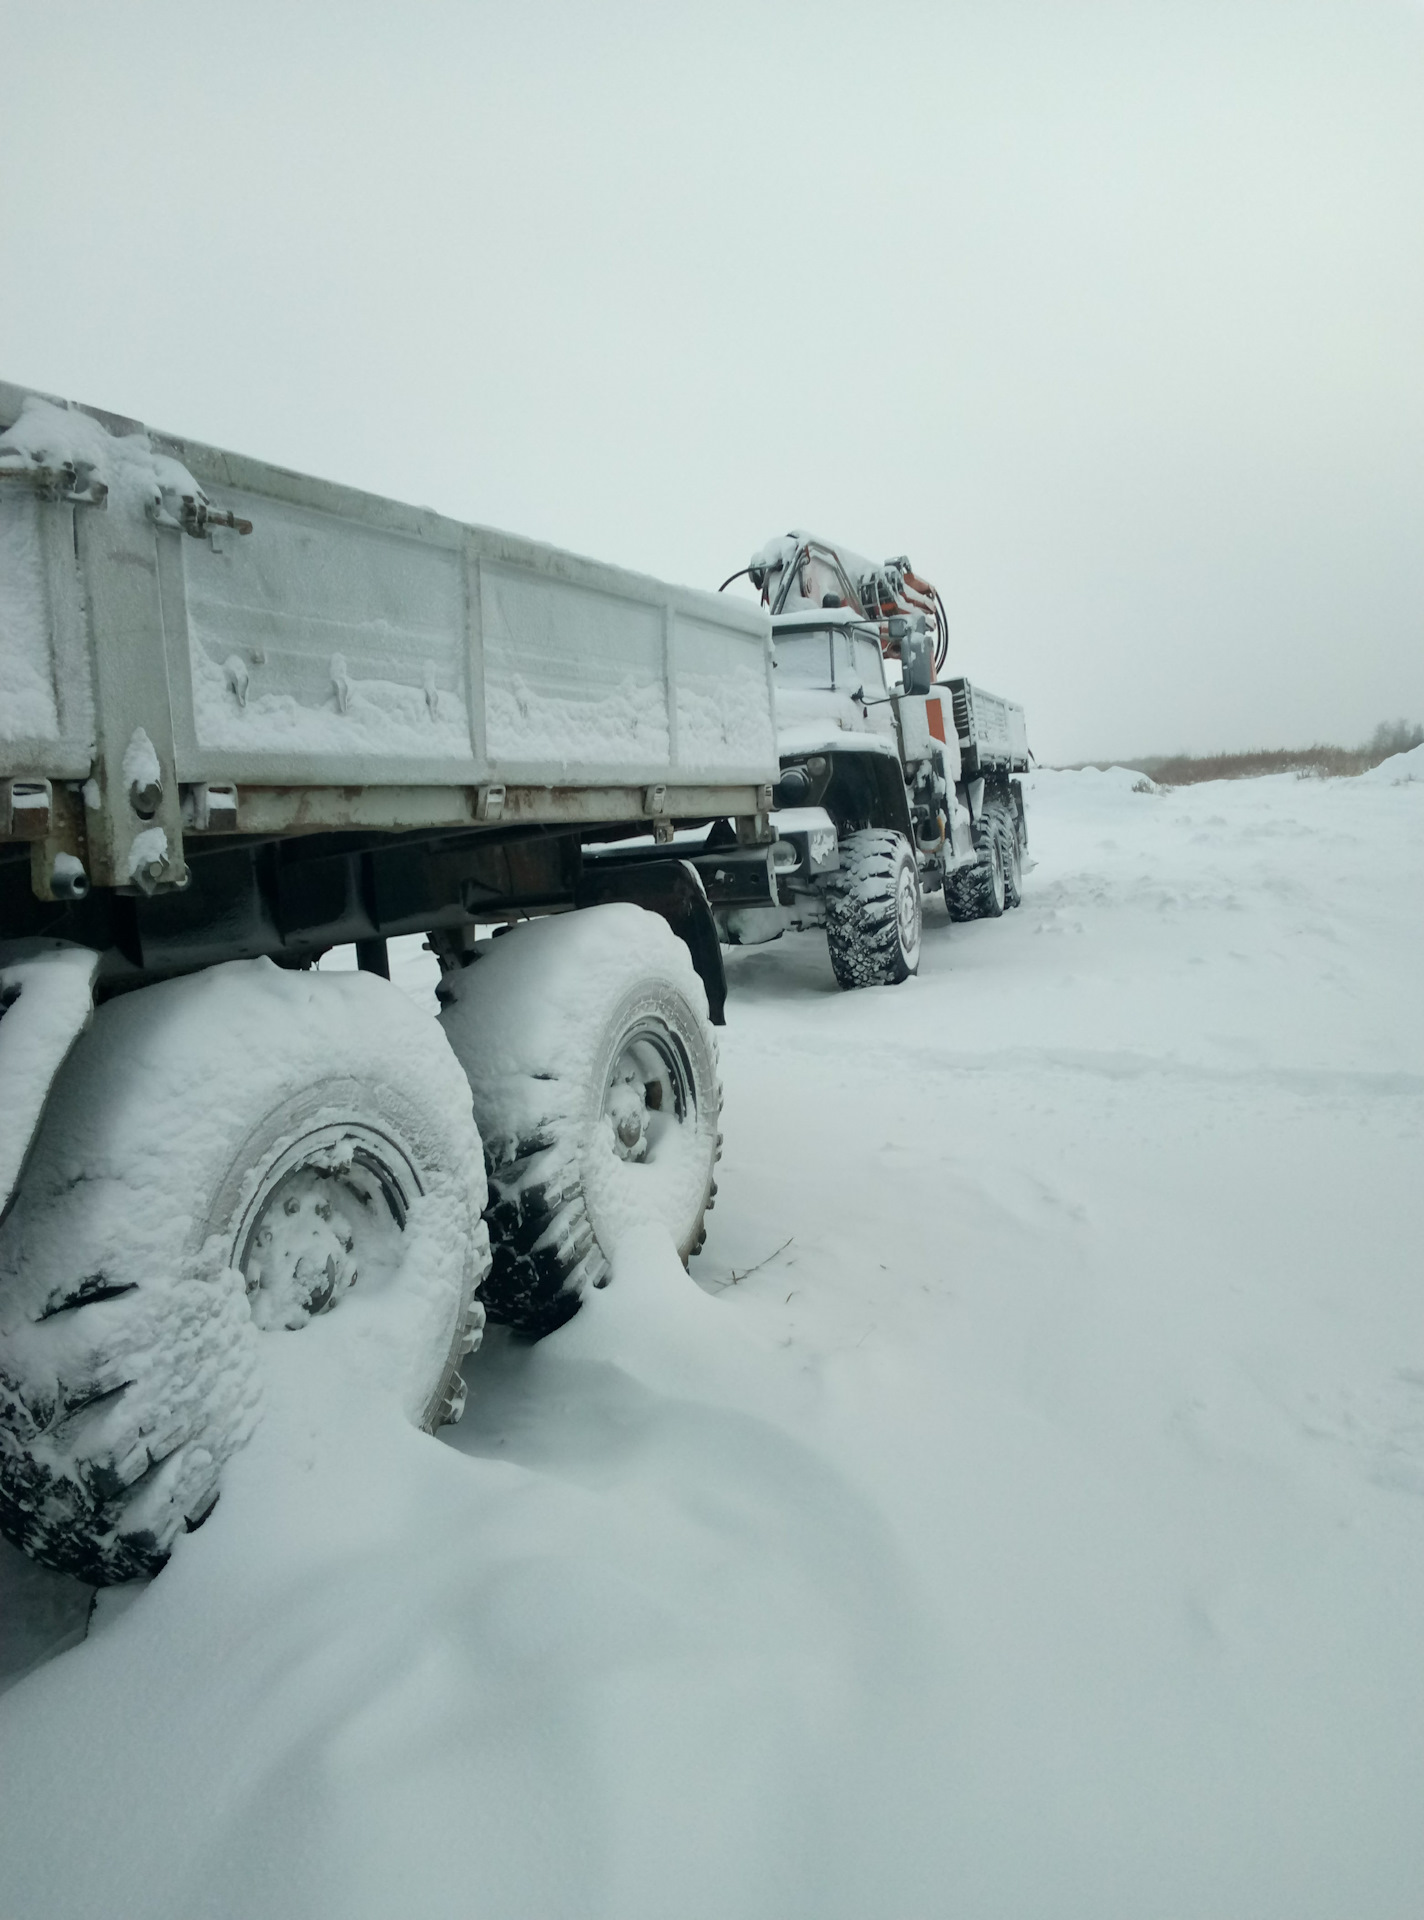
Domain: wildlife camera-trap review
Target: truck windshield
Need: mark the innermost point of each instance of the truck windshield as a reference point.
(834, 659)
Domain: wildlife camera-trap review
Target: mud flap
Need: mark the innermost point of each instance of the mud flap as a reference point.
(673, 889)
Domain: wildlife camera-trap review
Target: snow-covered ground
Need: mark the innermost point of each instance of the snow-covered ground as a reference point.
(1022, 1514)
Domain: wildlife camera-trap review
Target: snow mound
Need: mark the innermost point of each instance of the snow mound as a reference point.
(1118, 779)
(1399, 770)
(1095, 781)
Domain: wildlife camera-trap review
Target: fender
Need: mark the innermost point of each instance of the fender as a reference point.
(673, 889)
(46, 1002)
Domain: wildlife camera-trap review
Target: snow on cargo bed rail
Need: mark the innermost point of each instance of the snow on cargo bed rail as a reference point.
(316, 636)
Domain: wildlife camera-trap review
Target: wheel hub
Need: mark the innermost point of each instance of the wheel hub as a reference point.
(649, 1089)
(301, 1260)
(332, 1207)
(907, 908)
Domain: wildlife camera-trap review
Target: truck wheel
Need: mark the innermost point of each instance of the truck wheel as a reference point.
(961, 893)
(224, 1160)
(1002, 827)
(980, 893)
(873, 911)
(593, 1069)
(1011, 857)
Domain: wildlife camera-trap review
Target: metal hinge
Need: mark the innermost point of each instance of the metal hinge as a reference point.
(195, 517)
(26, 807)
(209, 808)
(73, 483)
(198, 518)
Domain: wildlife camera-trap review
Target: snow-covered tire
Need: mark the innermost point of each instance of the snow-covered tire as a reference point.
(570, 1029)
(961, 893)
(1012, 866)
(980, 892)
(225, 1157)
(874, 918)
(1006, 824)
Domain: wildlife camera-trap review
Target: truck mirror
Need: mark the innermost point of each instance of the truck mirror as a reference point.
(916, 662)
(898, 627)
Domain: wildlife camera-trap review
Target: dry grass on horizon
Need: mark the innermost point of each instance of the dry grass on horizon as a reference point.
(1187, 769)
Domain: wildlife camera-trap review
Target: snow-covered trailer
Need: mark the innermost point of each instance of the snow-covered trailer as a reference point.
(246, 715)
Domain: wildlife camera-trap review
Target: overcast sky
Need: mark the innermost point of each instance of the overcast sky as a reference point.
(1110, 316)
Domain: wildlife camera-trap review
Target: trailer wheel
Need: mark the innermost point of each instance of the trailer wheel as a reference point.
(593, 1069)
(873, 910)
(225, 1160)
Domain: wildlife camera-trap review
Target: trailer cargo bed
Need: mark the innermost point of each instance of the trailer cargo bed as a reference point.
(993, 735)
(241, 649)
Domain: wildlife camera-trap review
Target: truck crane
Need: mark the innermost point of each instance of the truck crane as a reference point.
(894, 781)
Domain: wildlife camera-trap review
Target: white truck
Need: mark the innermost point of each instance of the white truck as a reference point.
(892, 783)
(246, 716)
